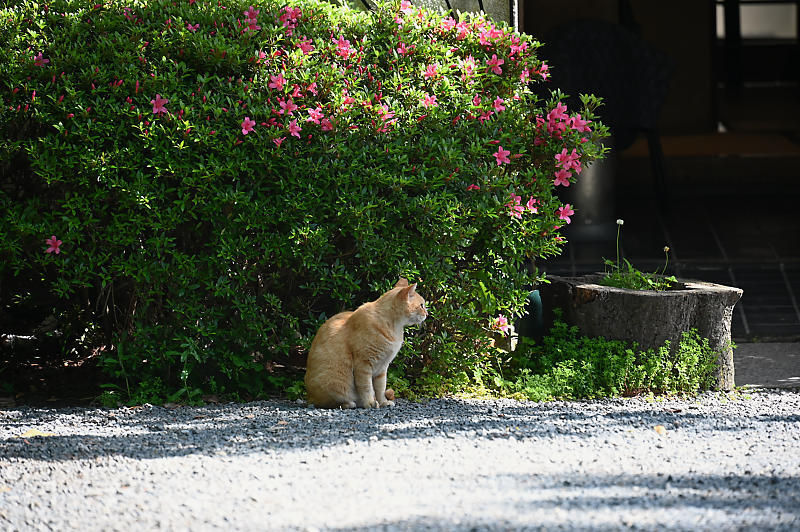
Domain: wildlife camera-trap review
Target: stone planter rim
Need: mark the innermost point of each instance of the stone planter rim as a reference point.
(589, 281)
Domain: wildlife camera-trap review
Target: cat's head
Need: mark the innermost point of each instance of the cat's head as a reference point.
(412, 303)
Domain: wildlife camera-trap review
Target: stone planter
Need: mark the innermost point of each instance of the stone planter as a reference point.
(646, 317)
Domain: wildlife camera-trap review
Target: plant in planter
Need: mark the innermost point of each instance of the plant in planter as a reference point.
(647, 309)
(626, 276)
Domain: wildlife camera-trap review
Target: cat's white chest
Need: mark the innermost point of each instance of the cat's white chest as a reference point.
(392, 348)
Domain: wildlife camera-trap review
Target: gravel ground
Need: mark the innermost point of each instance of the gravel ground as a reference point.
(719, 463)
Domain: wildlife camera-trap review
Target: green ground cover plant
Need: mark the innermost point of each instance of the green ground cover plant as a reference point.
(189, 188)
(568, 366)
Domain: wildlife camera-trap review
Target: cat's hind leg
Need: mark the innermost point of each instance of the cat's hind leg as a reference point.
(330, 395)
(333, 401)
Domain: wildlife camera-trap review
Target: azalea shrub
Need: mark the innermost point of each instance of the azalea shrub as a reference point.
(190, 188)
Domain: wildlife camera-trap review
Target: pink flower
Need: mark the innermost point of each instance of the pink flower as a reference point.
(490, 34)
(447, 24)
(531, 205)
(326, 125)
(343, 48)
(557, 120)
(38, 60)
(287, 107)
(290, 14)
(501, 324)
(502, 156)
(476, 100)
(562, 177)
(565, 212)
(252, 13)
(247, 125)
(495, 63)
(578, 124)
(518, 47)
(192, 28)
(251, 19)
(473, 187)
(498, 104)
(544, 71)
(306, 46)
(569, 161)
(278, 141)
(402, 49)
(294, 129)
(290, 17)
(405, 7)
(384, 112)
(515, 208)
(54, 245)
(158, 104)
(429, 101)
(315, 115)
(464, 29)
(430, 71)
(276, 82)
(559, 112)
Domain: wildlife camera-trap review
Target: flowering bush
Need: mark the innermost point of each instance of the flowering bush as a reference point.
(196, 185)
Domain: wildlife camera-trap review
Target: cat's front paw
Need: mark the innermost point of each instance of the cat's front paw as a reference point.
(368, 404)
(384, 404)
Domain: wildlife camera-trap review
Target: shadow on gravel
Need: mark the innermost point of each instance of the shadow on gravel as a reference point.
(274, 426)
(599, 502)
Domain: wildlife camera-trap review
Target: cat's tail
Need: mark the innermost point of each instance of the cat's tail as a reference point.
(389, 394)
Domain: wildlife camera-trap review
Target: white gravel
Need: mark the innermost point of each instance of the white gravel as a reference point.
(724, 463)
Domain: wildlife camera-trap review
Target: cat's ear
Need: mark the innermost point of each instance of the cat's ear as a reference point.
(403, 282)
(408, 291)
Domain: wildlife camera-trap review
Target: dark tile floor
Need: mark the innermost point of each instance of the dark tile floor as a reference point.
(748, 241)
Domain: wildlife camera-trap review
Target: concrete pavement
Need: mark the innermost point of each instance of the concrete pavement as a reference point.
(767, 365)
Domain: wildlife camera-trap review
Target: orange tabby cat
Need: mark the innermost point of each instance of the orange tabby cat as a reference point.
(351, 352)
